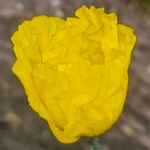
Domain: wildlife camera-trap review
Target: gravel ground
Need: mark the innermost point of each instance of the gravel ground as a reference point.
(22, 129)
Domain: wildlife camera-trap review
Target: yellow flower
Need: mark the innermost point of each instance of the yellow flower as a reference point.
(75, 71)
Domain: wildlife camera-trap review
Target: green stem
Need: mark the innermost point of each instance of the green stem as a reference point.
(96, 144)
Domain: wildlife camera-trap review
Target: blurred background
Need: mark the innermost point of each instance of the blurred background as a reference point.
(22, 129)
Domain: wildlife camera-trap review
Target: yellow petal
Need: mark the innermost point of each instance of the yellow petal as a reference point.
(75, 71)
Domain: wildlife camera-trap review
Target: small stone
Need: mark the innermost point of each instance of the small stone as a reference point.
(12, 118)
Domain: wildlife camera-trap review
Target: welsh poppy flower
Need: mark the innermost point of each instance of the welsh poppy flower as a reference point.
(75, 70)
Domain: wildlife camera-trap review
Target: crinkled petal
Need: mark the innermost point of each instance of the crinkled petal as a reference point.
(75, 71)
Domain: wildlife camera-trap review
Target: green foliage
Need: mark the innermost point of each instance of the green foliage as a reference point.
(143, 4)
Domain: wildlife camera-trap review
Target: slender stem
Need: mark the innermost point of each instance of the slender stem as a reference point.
(96, 144)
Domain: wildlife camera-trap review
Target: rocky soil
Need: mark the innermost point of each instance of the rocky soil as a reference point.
(22, 129)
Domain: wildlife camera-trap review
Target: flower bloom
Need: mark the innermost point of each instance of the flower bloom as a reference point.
(75, 71)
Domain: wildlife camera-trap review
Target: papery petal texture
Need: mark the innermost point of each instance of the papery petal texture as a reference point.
(75, 71)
